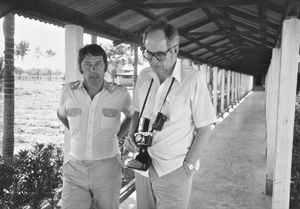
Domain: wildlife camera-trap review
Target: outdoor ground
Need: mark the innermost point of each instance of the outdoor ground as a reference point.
(35, 113)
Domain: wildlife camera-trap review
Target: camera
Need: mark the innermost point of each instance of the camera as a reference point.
(143, 139)
(159, 121)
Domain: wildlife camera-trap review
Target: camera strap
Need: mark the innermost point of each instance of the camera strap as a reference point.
(167, 94)
(144, 104)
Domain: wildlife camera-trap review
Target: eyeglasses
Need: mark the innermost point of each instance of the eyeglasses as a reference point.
(160, 56)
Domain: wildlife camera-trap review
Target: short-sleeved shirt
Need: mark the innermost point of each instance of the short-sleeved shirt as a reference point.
(94, 124)
(188, 106)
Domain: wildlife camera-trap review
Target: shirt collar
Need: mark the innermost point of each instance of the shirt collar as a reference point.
(106, 86)
(176, 72)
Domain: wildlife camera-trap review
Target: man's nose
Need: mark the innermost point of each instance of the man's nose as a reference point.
(93, 68)
(154, 60)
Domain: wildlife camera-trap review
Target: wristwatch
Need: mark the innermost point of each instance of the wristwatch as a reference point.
(190, 166)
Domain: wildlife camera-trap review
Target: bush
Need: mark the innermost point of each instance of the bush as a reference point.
(36, 174)
(35, 177)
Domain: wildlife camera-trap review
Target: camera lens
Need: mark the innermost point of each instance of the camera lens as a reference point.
(138, 138)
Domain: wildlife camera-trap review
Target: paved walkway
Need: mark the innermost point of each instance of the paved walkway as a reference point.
(233, 167)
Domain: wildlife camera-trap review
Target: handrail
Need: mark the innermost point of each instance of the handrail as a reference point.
(127, 190)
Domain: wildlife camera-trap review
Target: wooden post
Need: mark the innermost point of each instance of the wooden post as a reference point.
(286, 112)
(222, 90)
(272, 90)
(215, 88)
(228, 88)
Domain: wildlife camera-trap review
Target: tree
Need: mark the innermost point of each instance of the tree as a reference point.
(9, 88)
(50, 53)
(22, 49)
(116, 55)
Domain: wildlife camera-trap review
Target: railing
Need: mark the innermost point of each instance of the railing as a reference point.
(127, 190)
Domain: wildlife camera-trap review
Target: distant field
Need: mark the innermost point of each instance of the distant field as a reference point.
(35, 113)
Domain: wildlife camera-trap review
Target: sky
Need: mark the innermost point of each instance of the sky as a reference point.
(42, 35)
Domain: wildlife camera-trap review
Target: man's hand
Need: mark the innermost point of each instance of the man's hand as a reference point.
(130, 145)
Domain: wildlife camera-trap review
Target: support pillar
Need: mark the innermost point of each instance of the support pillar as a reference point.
(272, 90)
(215, 89)
(286, 112)
(228, 89)
(94, 39)
(222, 90)
(73, 42)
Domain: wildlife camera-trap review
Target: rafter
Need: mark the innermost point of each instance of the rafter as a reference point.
(248, 17)
(54, 12)
(198, 4)
(118, 9)
(225, 17)
(262, 16)
(222, 32)
(248, 27)
(5, 9)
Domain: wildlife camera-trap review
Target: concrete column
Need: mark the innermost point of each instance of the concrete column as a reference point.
(228, 88)
(94, 39)
(286, 112)
(232, 88)
(236, 87)
(222, 90)
(272, 90)
(73, 42)
(215, 88)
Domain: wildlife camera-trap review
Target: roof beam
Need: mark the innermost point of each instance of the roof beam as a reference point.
(249, 17)
(225, 17)
(63, 15)
(222, 32)
(5, 9)
(115, 10)
(248, 27)
(199, 38)
(210, 43)
(263, 18)
(198, 4)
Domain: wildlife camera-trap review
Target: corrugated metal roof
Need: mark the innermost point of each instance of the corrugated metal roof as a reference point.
(222, 33)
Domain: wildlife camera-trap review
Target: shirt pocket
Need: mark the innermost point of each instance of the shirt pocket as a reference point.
(109, 118)
(73, 115)
(177, 106)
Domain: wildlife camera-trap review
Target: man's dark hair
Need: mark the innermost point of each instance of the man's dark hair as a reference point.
(171, 33)
(93, 50)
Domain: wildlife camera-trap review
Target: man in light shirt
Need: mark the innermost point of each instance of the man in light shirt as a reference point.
(91, 110)
(176, 148)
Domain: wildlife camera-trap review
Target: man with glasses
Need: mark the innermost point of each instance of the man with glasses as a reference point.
(180, 94)
(91, 110)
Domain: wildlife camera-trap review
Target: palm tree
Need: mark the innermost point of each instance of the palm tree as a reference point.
(9, 87)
